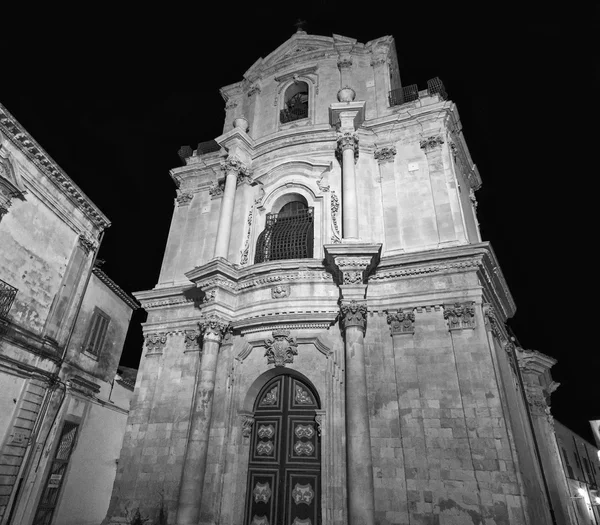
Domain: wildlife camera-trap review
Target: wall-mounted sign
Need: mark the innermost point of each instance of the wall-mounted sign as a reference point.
(54, 481)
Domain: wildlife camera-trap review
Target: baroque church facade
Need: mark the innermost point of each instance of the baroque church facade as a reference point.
(326, 343)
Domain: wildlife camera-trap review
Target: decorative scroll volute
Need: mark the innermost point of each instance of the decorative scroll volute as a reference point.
(213, 327)
(281, 349)
(354, 313)
(401, 322)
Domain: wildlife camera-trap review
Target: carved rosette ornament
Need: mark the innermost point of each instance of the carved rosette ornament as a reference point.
(155, 343)
(401, 322)
(191, 340)
(280, 291)
(348, 140)
(460, 316)
(354, 313)
(213, 327)
(385, 154)
(281, 349)
(431, 143)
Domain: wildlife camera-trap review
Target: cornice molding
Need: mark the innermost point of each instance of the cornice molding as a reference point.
(116, 289)
(36, 154)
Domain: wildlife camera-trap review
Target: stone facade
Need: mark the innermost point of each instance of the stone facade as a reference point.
(59, 393)
(396, 324)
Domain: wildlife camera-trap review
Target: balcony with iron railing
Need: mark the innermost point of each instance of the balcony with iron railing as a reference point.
(411, 93)
(293, 113)
(7, 296)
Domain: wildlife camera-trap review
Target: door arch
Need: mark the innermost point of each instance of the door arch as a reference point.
(284, 469)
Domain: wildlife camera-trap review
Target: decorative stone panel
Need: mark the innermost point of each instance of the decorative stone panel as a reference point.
(281, 349)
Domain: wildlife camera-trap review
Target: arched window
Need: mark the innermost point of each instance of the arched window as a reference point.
(288, 234)
(295, 102)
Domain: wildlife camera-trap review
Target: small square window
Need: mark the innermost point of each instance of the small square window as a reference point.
(94, 340)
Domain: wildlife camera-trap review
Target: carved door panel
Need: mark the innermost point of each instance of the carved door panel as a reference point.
(284, 471)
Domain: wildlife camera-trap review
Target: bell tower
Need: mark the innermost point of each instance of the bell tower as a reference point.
(326, 342)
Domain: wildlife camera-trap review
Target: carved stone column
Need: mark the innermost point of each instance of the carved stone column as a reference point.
(232, 167)
(348, 146)
(212, 329)
(359, 463)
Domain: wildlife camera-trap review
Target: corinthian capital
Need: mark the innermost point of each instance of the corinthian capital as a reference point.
(234, 165)
(348, 140)
(354, 313)
(385, 154)
(213, 327)
(431, 143)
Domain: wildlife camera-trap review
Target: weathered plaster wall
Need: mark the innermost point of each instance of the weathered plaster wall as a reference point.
(104, 366)
(93, 465)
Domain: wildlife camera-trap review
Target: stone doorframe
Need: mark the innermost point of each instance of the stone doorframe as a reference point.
(330, 424)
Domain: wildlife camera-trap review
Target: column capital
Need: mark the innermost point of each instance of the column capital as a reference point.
(191, 340)
(354, 313)
(431, 143)
(460, 315)
(213, 327)
(401, 322)
(233, 164)
(385, 154)
(348, 140)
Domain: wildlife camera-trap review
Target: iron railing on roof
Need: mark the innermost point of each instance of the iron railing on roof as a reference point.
(293, 113)
(411, 93)
(7, 296)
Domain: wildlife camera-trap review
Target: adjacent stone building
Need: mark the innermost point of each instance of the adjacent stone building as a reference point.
(326, 342)
(63, 324)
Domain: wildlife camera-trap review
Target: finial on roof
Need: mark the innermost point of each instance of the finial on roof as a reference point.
(300, 26)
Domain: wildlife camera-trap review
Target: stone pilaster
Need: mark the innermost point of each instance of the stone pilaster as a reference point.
(385, 157)
(432, 146)
(348, 147)
(538, 386)
(353, 263)
(233, 168)
(212, 328)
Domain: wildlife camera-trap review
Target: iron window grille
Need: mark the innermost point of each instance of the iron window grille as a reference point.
(96, 335)
(287, 235)
(296, 108)
(7, 296)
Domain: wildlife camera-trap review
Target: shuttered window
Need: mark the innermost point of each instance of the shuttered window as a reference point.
(96, 335)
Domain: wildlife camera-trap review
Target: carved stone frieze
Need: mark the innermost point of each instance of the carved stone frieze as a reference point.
(401, 322)
(280, 291)
(191, 339)
(418, 270)
(155, 343)
(430, 143)
(213, 327)
(460, 315)
(353, 313)
(385, 154)
(184, 198)
(281, 349)
(246, 249)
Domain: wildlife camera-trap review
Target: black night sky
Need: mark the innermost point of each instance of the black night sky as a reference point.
(112, 95)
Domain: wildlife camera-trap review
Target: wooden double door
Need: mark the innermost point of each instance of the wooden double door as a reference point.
(284, 471)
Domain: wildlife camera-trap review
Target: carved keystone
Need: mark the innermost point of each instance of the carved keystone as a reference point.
(281, 349)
